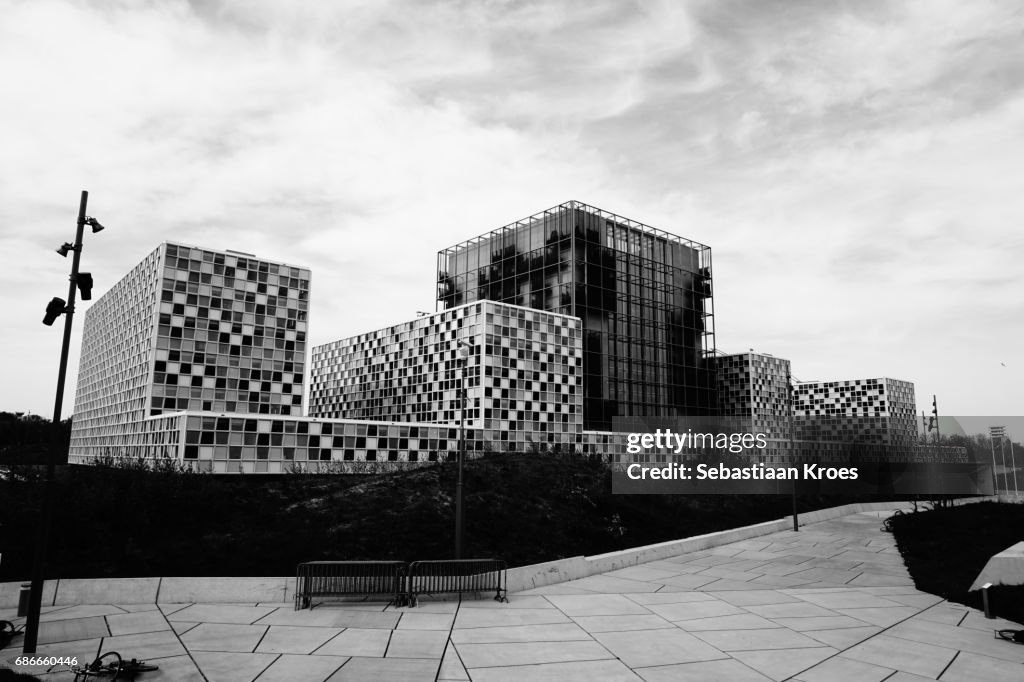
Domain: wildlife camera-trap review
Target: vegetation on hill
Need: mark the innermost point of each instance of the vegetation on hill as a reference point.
(129, 521)
(946, 548)
(27, 438)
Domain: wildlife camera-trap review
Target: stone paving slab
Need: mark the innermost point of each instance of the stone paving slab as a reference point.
(657, 647)
(842, 669)
(526, 653)
(596, 605)
(149, 645)
(137, 622)
(497, 616)
(743, 621)
(427, 621)
(676, 611)
(583, 671)
(417, 644)
(72, 629)
(356, 642)
(918, 658)
(965, 639)
(452, 669)
(970, 667)
(211, 613)
(292, 639)
(781, 664)
(843, 638)
(881, 616)
(386, 670)
(557, 632)
(232, 667)
(756, 640)
(224, 637)
(727, 670)
(291, 668)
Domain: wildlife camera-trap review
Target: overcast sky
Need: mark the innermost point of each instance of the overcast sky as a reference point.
(856, 167)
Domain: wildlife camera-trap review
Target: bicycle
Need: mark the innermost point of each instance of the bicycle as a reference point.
(117, 668)
(8, 631)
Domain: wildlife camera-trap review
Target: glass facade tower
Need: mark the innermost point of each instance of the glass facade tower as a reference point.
(644, 297)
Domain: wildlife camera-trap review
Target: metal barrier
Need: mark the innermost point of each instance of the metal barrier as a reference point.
(461, 575)
(344, 578)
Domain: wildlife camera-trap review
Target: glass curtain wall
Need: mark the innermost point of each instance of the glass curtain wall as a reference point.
(644, 297)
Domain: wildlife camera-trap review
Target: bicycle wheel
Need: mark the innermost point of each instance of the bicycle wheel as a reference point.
(7, 632)
(114, 667)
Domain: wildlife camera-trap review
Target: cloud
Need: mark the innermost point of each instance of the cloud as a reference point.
(855, 167)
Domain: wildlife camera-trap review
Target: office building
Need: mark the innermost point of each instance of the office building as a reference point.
(876, 411)
(643, 295)
(188, 329)
(200, 355)
(557, 326)
(523, 373)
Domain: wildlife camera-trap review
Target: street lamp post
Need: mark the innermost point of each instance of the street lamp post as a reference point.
(993, 432)
(57, 307)
(792, 448)
(463, 356)
(1013, 465)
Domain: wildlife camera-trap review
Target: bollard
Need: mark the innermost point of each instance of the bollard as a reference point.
(23, 597)
(984, 599)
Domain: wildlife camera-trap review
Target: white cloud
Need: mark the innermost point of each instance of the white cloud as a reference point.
(855, 168)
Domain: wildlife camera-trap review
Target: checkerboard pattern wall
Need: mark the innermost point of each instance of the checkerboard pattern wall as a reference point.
(753, 386)
(873, 411)
(231, 334)
(188, 329)
(522, 376)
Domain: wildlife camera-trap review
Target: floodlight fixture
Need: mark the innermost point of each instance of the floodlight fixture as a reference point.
(54, 309)
(84, 282)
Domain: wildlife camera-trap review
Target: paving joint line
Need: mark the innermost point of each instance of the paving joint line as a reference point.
(524, 665)
(955, 656)
(178, 637)
(266, 630)
(451, 628)
(854, 578)
(329, 640)
(276, 659)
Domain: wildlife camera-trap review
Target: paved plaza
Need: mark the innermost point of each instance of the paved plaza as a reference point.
(832, 602)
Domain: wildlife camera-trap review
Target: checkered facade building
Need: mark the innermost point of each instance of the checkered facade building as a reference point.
(522, 378)
(753, 386)
(878, 411)
(200, 355)
(188, 329)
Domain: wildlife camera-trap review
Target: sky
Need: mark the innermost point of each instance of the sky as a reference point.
(856, 167)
